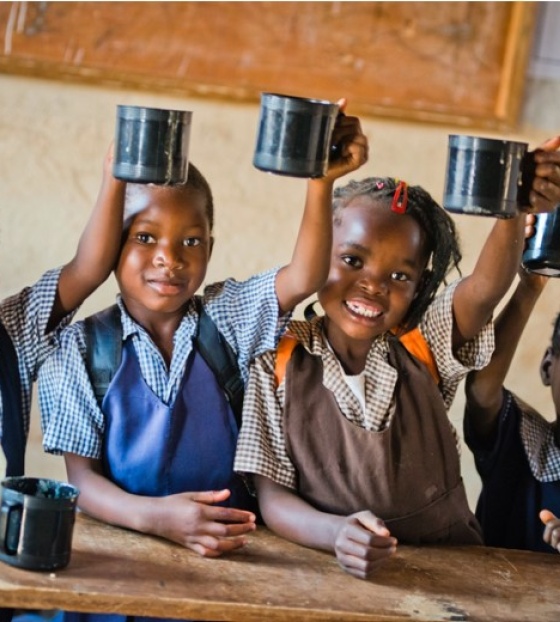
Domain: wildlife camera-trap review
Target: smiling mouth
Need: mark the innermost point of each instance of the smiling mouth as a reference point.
(365, 311)
(167, 288)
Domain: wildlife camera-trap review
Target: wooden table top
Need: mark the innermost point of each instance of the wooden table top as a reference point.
(115, 570)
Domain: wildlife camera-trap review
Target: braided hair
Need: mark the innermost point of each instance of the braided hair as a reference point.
(442, 243)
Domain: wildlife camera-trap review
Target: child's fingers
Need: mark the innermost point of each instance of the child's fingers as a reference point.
(209, 546)
(209, 496)
(373, 523)
(546, 516)
(551, 144)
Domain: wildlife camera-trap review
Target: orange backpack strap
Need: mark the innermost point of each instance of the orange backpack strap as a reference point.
(415, 343)
(283, 353)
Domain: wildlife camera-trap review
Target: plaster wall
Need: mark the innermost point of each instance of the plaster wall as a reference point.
(53, 137)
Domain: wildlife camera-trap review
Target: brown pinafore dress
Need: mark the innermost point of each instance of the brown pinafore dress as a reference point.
(408, 474)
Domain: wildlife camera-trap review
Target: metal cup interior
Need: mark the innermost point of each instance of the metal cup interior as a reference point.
(483, 176)
(294, 135)
(152, 145)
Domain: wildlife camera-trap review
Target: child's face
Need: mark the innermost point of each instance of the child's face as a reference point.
(377, 262)
(165, 253)
(550, 374)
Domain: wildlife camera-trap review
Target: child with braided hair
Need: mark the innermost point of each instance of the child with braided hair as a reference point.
(348, 443)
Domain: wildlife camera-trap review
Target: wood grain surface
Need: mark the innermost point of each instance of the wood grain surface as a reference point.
(458, 62)
(114, 570)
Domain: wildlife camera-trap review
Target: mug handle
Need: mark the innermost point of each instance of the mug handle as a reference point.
(10, 524)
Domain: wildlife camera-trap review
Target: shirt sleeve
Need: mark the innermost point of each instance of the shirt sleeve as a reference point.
(248, 315)
(261, 447)
(71, 419)
(26, 315)
(437, 328)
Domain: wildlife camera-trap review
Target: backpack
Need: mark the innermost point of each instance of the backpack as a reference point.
(413, 341)
(103, 332)
(13, 433)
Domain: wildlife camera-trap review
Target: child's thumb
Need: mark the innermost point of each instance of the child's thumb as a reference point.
(546, 516)
(373, 523)
(551, 144)
(210, 496)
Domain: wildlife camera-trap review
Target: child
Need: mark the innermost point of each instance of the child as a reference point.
(352, 449)
(33, 318)
(516, 450)
(123, 456)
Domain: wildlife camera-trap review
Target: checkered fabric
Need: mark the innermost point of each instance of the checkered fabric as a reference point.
(537, 436)
(261, 444)
(246, 313)
(25, 316)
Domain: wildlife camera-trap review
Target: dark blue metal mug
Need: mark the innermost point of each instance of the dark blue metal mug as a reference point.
(542, 251)
(152, 145)
(36, 522)
(486, 177)
(294, 135)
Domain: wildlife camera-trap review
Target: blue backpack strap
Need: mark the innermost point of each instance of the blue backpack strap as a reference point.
(104, 350)
(103, 332)
(221, 359)
(13, 432)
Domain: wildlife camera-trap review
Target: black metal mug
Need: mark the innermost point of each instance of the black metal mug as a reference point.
(294, 135)
(542, 251)
(36, 522)
(152, 145)
(486, 177)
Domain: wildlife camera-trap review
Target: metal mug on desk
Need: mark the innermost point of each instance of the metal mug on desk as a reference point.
(36, 522)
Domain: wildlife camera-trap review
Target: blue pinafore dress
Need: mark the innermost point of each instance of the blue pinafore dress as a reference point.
(153, 449)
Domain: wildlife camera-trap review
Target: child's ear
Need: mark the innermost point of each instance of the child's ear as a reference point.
(545, 367)
(211, 247)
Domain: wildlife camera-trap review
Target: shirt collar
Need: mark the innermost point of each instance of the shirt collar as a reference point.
(537, 436)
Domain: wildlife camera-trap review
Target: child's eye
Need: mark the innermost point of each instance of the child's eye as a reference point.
(145, 238)
(191, 242)
(399, 276)
(352, 261)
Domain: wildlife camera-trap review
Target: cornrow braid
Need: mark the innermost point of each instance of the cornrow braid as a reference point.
(442, 242)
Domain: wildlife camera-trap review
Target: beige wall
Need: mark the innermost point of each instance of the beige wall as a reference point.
(53, 137)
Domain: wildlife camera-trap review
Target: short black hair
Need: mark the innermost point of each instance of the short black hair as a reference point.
(195, 181)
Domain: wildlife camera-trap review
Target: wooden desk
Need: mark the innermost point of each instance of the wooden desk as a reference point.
(113, 570)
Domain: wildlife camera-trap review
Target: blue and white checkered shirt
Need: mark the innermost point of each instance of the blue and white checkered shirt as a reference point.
(246, 313)
(25, 317)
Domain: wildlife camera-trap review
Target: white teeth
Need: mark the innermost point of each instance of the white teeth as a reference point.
(363, 311)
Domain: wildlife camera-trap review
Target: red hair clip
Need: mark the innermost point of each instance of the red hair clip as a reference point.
(400, 198)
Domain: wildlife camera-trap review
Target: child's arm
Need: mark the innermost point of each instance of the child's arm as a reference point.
(552, 529)
(97, 250)
(484, 387)
(360, 541)
(189, 518)
(309, 267)
(477, 295)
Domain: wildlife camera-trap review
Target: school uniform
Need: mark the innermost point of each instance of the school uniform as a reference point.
(520, 472)
(161, 431)
(388, 447)
(25, 316)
